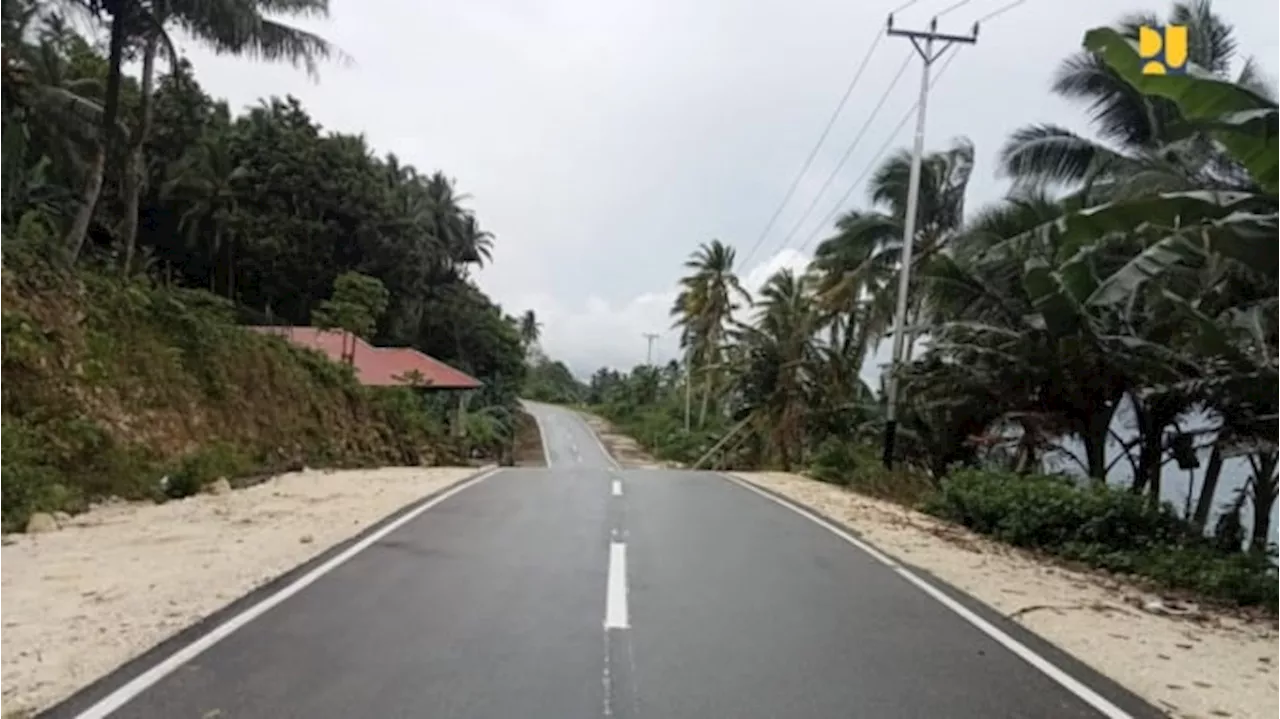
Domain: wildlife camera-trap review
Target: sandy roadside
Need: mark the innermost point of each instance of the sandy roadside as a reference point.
(120, 578)
(1201, 666)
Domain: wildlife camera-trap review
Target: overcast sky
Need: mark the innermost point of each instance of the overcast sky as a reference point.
(601, 142)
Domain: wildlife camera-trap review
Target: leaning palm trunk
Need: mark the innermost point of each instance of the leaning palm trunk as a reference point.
(91, 190)
(135, 172)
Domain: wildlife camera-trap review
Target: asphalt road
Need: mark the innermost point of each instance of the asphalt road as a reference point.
(585, 591)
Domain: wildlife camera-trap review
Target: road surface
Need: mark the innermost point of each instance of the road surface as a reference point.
(583, 591)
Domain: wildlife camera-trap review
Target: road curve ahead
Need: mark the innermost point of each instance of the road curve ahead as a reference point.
(584, 591)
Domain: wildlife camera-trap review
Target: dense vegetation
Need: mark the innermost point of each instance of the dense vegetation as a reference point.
(143, 221)
(1128, 275)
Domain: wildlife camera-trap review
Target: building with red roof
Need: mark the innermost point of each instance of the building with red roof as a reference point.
(378, 366)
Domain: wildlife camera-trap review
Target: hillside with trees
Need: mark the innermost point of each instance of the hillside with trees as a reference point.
(1121, 297)
(145, 222)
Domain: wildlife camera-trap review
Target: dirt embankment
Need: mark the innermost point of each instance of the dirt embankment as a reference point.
(528, 447)
(120, 578)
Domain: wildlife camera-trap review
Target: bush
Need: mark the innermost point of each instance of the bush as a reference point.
(1104, 527)
(30, 483)
(218, 460)
(858, 466)
(1046, 511)
(834, 461)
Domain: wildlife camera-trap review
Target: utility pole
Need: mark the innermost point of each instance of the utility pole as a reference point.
(924, 43)
(648, 355)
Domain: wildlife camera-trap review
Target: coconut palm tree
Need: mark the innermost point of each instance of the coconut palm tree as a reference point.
(709, 296)
(856, 267)
(530, 329)
(210, 183)
(778, 357)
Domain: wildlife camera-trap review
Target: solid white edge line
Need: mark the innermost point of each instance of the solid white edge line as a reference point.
(615, 606)
(617, 487)
(1022, 651)
(131, 689)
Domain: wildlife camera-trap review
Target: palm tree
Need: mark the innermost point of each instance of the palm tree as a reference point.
(210, 183)
(856, 267)
(779, 356)
(239, 27)
(703, 309)
(530, 329)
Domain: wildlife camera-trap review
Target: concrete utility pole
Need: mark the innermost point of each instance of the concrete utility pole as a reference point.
(924, 42)
(648, 355)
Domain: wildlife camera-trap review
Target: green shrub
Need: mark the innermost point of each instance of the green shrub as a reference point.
(857, 466)
(834, 461)
(217, 460)
(1104, 527)
(30, 483)
(1048, 511)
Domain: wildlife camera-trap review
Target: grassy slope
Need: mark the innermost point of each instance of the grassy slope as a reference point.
(107, 388)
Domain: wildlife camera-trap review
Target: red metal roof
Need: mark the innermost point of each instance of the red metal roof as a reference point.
(377, 366)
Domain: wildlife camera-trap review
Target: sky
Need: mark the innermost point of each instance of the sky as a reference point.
(601, 143)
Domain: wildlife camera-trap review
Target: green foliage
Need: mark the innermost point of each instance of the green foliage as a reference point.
(1244, 121)
(32, 482)
(857, 466)
(552, 382)
(218, 460)
(357, 303)
(1047, 511)
(1104, 527)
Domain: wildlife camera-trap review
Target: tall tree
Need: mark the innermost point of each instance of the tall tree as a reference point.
(708, 298)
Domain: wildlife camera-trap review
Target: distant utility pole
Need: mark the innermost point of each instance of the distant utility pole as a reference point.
(924, 43)
(648, 355)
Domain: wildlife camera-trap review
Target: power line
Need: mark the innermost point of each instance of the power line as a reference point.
(795, 183)
(871, 164)
(953, 6)
(906, 61)
(1000, 11)
(901, 123)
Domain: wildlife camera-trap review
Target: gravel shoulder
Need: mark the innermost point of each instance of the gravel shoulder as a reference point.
(1192, 664)
(119, 579)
